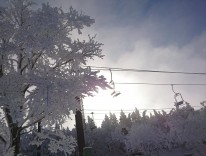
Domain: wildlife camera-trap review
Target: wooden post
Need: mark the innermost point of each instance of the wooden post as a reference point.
(80, 132)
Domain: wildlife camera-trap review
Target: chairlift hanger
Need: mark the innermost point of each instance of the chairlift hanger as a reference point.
(114, 93)
(178, 102)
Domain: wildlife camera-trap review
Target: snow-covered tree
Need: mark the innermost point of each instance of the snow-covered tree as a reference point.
(105, 140)
(113, 121)
(106, 123)
(41, 69)
(161, 133)
(135, 116)
(145, 138)
(91, 125)
(182, 129)
(187, 127)
(125, 121)
(89, 129)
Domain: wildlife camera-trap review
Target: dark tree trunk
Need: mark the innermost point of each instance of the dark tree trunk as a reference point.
(15, 132)
(39, 147)
(80, 132)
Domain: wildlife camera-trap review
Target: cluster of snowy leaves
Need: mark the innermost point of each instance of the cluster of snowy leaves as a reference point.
(41, 64)
(58, 141)
(183, 128)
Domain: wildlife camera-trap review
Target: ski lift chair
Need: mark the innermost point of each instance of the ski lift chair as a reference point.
(180, 101)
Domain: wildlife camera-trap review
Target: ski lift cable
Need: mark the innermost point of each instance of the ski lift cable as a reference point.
(140, 83)
(126, 112)
(161, 84)
(119, 110)
(145, 70)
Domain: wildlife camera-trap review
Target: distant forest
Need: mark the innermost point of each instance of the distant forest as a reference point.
(141, 134)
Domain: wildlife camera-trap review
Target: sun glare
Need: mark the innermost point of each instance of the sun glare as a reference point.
(105, 102)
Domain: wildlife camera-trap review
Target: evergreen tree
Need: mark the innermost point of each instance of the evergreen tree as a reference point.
(123, 119)
(91, 125)
(106, 123)
(135, 116)
(113, 120)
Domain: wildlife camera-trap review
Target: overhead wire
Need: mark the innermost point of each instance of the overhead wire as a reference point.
(145, 70)
(161, 84)
(100, 112)
(119, 110)
(152, 71)
(134, 83)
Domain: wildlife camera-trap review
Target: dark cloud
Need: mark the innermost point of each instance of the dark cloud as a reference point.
(164, 22)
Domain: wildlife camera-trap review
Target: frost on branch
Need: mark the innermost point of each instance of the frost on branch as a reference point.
(41, 65)
(180, 129)
(57, 141)
(4, 140)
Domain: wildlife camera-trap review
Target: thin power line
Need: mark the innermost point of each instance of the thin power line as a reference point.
(145, 70)
(126, 112)
(92, 119)
(133, 83)
(119, 110)
(160, 84)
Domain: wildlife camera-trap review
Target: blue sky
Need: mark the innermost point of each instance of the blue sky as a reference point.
(164, 21)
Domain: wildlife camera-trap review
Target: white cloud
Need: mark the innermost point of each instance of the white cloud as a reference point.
(144, 55)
